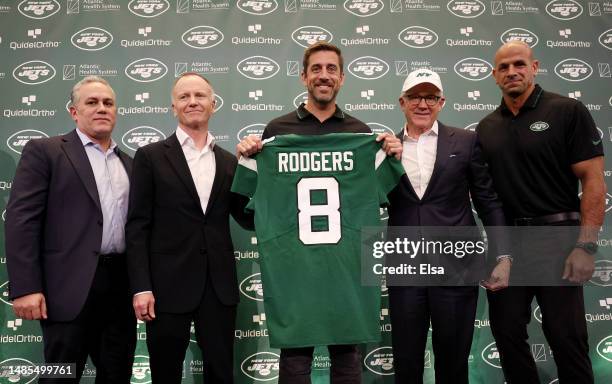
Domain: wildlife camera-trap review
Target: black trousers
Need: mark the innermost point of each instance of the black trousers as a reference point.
(564, 327)
(452, 311)
(105, 329)
(295, 365)
(168, 339)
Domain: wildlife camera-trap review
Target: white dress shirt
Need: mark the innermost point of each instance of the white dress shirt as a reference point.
(419, 157)
(201, 164)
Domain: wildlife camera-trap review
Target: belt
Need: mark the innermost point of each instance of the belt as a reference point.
(547, 219)
(111, 258)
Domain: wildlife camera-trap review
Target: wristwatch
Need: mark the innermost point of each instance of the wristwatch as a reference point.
(589, 247)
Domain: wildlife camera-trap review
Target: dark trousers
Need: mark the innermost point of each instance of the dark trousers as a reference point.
(168, 338)
(105, 329)
(295, 365)
(564, 326)
(452, 311)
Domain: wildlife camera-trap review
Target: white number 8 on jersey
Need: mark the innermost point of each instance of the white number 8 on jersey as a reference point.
(330, 210)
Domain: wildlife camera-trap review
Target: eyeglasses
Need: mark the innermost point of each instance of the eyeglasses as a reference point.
(415, 100)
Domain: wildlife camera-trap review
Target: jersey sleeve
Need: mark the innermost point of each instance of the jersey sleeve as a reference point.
(584, 142)
(389, 170)
(245, 178)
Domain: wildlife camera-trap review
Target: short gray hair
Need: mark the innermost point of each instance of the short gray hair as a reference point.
(86, 80)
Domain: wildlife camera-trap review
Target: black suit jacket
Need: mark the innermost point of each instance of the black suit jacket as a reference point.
(172, 245)
(54, 224)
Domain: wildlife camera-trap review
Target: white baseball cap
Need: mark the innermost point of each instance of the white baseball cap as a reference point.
(421, 76)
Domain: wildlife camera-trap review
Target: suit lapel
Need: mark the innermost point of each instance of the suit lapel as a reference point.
(219, 178)
(74, 150)
(443, 150)
(176, 157)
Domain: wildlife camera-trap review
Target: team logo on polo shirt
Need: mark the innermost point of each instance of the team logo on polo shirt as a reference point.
(18, 140)
(602, 275)
(252, 287)
(92, 39)
(520, 34)
(146, 70)
(539, 126)
(38, 9)
(258, 8)
(604, 348)
(368, 68)
(141, 370)
(309, 34)
(490, 355)
(466, 9)
(202, 37)
(573, 70)
(262, 366)
(564, 9)
(148, 8)
(34, 72)
(418, 37)
(473, 68)
(380, 361)
(141, 136)
(27, 373)
(605, 39)
(258, 67)
(364, 8)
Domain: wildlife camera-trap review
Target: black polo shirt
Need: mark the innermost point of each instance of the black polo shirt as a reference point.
(530, 154)
(302, 122)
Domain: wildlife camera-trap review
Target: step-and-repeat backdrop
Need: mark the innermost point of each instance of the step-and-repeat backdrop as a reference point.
(251, 52)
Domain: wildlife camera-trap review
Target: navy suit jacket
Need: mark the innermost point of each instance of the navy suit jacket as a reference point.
(54, 224)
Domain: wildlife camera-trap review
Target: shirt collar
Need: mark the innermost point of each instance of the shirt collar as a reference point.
(87, 141)
(184, 138)
(431, 131)
(303, 113)
(530, 103)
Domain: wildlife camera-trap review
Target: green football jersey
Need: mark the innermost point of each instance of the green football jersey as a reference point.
(311, 196)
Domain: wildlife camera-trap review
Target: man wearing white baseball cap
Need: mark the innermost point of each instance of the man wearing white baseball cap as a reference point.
(443, 167)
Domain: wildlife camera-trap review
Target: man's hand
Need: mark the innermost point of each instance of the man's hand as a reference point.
(249, 146)
(579, 266)
(144, 306)
(500, 276)
(30, 307)
(391, 145)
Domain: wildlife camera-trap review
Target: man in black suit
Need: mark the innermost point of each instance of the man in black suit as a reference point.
(443, 168)
(180, 255)
(65, 240)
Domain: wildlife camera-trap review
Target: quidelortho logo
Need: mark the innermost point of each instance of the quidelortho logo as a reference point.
(416, 36)
(490, 355)
(31, 111)
(262, 366)
(141, 370)
(380, 361)
(146, 70)
(258, 8)
(303, 98)
(27, 373)
(573, 70)
(258, 67)
(564, 9)
(368, 68)
(605, 39)
(4, 293)
(602, 275)
(364, 8)
(466, 9)
(18, 140)
(148, 8)
(34, 72)
(378, 128)
(38, 9)
(141, 136)
(604, 348)
(202, 37)
(92, 39)
(473, 68)
(251, 286)
(520, 34)
(309, 34)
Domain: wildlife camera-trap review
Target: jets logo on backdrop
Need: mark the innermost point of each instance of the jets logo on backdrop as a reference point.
(141, 370)
(604, 348)
(605, 39)
(473, 68)
(251, 286)
(92, 39)
(537, 314)
(146, 70)
(418, 37)
(258, 67)
(490, 355)
(520, 34)
(38, 9)
(380, 128)
(368, 68)
(602, 275)
(364, 8)
(218, 102)
(4, 293)
(202, 37)
(34, 72)
(380, 361)
(26, 374)
(261, 7)
(564, 9)
(573, 70)
(262, 366)
(140, 136)
(148, 8)
(309, 34)
(466, 9)
(299, 99)
(18, 140)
